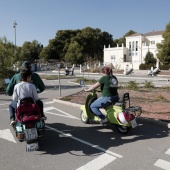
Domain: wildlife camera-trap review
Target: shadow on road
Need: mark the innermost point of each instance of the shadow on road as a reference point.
(105, 137)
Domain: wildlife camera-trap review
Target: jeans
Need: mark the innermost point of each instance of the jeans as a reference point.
(102, 102)
(13, 107)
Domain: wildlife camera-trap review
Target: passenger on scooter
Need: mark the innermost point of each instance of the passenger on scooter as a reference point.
(109, 85)
(22, 90)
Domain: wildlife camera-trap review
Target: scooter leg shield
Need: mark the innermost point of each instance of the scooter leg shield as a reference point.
(89, 114)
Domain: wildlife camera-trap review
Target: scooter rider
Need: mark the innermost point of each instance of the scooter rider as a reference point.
(35, 79)
(109, 85)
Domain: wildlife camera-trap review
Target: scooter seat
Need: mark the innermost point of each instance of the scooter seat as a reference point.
(118, 103)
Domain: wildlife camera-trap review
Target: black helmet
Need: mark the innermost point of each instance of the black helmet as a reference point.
(26, 64)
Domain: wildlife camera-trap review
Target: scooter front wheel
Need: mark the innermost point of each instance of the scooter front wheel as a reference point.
(84, 118)
(122, 129)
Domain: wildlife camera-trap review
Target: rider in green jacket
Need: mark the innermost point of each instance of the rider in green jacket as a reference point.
(36, 80)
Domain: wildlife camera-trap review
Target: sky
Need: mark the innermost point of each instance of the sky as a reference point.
(41, 19)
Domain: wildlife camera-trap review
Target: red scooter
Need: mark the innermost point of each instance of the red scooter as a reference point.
(29, 127)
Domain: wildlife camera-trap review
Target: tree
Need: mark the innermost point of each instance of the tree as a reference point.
(91, 41)
(6, 53)
(122, 40)
(74, 54)
(149, 58)
(164, 48)
(44, 54)
(30, 51)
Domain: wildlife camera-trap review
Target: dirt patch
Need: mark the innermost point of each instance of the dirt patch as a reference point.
(155, 102)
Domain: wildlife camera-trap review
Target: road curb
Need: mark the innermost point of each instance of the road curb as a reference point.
(140, 119)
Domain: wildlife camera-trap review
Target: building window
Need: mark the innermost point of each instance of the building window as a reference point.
(129, 54)
(152, 42)
(133, 46)
(136, 45)
(130, 45)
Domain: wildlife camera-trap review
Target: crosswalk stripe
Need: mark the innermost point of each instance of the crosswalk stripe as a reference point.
(163, 164)
(50, 102)
(168, 152)
(98, 163)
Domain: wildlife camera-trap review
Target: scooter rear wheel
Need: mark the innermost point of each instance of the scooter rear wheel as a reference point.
(84, 118)
(122, 129)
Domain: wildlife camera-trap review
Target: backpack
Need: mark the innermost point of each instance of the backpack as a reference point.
(27, 111)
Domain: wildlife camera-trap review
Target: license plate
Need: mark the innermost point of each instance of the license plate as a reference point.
(133, 123)
(31, 133)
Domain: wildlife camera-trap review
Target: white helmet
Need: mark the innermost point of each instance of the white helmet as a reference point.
(122, 119)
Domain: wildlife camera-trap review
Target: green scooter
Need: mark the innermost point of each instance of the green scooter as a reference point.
(118, 114)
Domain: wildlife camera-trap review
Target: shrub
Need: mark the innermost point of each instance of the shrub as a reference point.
(132, 85)
(160, 97)
(164, 67)
(86, 81)
(6, 73)
(148, 84)
(144, 66)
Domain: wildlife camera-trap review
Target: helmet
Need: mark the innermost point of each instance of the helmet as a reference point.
(26, 64)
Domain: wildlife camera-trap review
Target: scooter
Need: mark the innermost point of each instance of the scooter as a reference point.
(118, 114)
(29, 127)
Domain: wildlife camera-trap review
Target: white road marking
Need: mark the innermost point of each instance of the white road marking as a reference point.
(4, 109)
(47, 109)
(168, 152)
(98, 163)
(49, 102)
(44, 92)
(86, 143)
(163, 164)
(70, 116)
(7, 135)
(4, 103)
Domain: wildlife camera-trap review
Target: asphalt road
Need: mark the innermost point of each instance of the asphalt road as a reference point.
(71, 145)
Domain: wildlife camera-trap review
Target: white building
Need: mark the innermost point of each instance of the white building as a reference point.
(137, 46)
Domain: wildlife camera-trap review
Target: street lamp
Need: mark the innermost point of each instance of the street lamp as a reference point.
(14, 26)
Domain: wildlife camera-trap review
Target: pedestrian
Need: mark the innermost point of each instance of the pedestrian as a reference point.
(72, 71)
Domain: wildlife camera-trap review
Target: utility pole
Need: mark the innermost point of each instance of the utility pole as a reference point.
(14, 26)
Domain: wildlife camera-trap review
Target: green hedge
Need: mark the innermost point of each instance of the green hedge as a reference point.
(164, 67)
(145, 66)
